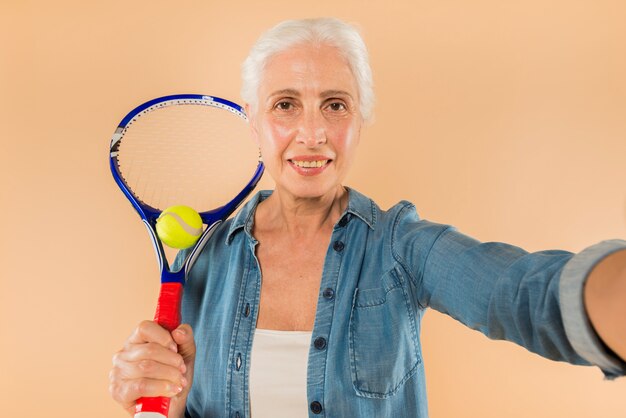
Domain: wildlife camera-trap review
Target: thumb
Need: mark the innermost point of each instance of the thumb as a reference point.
(183, 336)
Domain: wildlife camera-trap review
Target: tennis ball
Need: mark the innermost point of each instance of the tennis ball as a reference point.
(179, 227)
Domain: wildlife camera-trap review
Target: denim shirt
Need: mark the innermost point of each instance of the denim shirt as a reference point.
(381, 271)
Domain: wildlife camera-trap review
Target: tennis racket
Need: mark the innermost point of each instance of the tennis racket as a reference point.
(191, 150)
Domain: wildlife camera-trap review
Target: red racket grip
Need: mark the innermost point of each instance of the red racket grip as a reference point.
(168, 316)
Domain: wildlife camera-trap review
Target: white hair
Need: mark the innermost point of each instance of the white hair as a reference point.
(321, 31)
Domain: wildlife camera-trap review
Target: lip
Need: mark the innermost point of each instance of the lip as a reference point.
(309, 171)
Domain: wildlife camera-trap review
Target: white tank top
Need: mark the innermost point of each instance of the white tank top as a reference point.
(278, 368)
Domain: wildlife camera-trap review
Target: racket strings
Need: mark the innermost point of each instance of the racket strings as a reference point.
(195, 155)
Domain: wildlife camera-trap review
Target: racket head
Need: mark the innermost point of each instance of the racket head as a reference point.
(187, 149)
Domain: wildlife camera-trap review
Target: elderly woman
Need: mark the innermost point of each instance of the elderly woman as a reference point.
(308, 302)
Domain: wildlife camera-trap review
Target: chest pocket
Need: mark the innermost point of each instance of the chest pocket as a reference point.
(384, 347)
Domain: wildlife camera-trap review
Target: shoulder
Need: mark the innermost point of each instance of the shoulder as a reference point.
(371, 213)
(399, 219)
(406, 238)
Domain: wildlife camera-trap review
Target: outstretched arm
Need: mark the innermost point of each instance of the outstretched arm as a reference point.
(605, 301)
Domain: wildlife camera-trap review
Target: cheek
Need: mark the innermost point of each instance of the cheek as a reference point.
(282, 133)
(348, 139)
(276, 135)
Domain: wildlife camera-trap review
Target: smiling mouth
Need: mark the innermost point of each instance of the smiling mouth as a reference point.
(310, 164)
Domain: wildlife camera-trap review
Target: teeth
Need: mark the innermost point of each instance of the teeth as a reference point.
(310, 164)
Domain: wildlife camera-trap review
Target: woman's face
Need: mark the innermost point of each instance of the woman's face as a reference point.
(307, 123)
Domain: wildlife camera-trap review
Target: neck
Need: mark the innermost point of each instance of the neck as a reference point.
(301, 216)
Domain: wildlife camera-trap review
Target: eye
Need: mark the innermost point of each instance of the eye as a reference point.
(336, 106)
(284, 105)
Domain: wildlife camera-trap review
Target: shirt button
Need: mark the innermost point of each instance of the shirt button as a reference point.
(338, 246)
(328, 293)
(320, 343)
(344, 221)
(316, 407)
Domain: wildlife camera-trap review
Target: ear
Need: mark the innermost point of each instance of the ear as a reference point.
(254, 134)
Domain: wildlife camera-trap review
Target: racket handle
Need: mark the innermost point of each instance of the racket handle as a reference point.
(168, 316)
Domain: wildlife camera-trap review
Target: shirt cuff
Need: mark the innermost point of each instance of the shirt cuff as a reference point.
(578, 328)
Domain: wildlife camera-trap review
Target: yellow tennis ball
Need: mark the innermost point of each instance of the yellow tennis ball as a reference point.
(179, 227)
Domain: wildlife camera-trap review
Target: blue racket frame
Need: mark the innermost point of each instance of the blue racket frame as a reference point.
(149, 214)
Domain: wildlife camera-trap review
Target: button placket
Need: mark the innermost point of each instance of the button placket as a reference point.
(320, 347)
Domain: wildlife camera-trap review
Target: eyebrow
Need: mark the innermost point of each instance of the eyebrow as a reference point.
(325, 94)
(331, 93)
(288, 92)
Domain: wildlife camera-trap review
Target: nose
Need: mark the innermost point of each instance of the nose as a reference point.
(311, 130)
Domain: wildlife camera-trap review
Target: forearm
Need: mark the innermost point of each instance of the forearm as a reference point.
(605, 301)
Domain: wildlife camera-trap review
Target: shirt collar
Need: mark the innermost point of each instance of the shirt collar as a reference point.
(359, 205)
(362, 207)
(244, 219)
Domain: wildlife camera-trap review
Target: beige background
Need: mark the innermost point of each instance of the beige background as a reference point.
(504, 118)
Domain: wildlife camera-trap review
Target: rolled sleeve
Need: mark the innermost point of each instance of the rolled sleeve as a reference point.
(578, 328)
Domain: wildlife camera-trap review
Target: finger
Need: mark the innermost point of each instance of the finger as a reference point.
(151, 332)
(131, 390)
(152, 370)
(127, 391)
(183, 336)
(149, 351)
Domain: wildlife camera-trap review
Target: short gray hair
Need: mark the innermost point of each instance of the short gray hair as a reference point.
(320, 31)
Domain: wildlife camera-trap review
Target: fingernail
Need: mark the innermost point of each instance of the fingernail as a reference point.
(183, 382)
(183, 368)
(181, 331)
(177, 389)
(173, 347)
